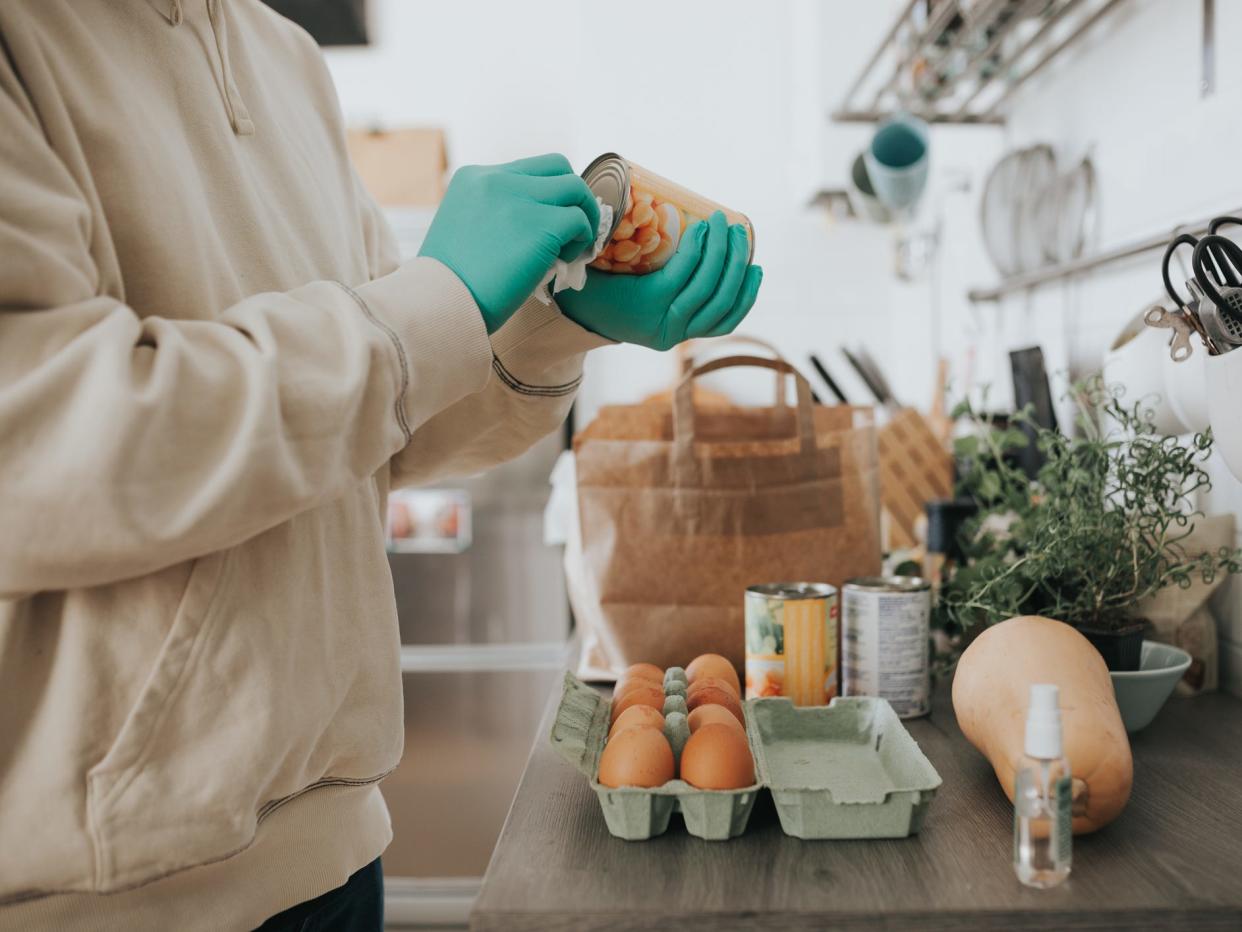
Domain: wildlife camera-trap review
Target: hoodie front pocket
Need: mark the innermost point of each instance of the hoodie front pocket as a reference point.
(280, 673)
(110, 778)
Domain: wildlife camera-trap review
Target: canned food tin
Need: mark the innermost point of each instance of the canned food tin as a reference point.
(884, 641)
(650, 213)
(791, 642)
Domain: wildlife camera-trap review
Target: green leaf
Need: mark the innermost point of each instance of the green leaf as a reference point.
(966, 447)
(989, 486)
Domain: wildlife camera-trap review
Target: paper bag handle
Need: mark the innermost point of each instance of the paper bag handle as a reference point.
(685, 352)
(683, 408)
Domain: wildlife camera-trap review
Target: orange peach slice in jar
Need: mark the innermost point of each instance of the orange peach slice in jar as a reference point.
(671, 224)
(648, 239)
(625, 251)
(658, 257)
(643, 213)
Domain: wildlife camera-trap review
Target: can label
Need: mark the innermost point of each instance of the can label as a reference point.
(654, 213)
(791, 647)
(884, 647)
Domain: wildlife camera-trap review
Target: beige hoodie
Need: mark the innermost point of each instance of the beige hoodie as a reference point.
(211, 372)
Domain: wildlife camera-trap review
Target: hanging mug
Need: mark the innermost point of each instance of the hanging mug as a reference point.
(897, 161)
(862, 193)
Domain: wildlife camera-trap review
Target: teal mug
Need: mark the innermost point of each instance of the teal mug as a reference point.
(897, 161)
(862, 194)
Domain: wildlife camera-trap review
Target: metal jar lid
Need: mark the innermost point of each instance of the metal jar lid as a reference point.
(792, 591)
(887, 584)
(608, 177)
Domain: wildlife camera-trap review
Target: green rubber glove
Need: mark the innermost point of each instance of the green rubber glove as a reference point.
(500, 228)
(704, 291)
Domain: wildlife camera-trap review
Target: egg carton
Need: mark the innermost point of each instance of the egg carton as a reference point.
(846, 770)
(637, 813)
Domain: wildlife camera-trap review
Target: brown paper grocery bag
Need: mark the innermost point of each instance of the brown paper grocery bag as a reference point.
(705, 397)
(681, 508)
(1181, 617)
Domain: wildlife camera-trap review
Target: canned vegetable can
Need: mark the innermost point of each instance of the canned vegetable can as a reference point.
(650, 213)
(791, 642)
(885, 628)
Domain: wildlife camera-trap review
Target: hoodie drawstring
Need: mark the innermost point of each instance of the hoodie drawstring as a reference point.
(234, 106)
(239, 116)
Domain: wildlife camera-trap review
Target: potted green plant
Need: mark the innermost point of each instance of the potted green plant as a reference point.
(1097, 531)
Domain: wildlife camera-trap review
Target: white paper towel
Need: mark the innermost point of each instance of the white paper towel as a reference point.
(564, 274)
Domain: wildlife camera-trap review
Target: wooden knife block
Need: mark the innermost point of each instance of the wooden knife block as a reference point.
(915, 469)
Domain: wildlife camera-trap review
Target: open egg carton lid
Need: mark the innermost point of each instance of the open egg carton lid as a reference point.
(846, 770)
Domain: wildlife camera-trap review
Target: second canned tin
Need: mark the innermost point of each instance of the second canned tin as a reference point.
(884, 641)
(649, 215)
(791, 642)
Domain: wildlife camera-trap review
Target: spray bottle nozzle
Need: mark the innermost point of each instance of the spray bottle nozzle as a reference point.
(1043, 722)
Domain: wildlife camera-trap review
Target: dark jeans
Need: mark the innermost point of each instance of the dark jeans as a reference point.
(357, 906)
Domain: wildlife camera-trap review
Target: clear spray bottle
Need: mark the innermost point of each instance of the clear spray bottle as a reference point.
(1042, 818)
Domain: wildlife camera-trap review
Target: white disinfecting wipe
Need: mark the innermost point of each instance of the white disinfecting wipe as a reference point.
(573, 275)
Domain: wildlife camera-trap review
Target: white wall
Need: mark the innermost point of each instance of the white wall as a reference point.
(470, 66)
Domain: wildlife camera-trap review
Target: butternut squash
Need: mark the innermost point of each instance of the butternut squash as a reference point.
(990, 693)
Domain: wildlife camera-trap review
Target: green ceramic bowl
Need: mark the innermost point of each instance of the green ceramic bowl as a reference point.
(1141, 692)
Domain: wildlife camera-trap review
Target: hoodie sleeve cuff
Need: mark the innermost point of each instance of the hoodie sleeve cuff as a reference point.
(441, 344)
(539, 350)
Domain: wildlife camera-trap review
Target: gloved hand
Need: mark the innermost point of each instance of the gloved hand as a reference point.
(704, 291)
(500, 228)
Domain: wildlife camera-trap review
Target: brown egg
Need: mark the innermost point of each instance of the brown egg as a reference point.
(648, 671)
(704, 682)
(637, 715)
(639, 673)
(624, 686)
(716, 666)
(639, 695)
(712, 714)
(717, 757)
(714, 695)
(637, 756)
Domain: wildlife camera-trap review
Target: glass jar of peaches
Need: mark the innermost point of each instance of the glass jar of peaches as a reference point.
(650, 213)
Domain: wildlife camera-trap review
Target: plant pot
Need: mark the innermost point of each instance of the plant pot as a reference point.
(1121, 648)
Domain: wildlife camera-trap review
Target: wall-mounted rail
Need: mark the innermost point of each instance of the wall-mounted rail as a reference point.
(1063, 270)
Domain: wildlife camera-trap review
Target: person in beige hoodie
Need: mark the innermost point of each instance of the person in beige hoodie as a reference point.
(213, 368)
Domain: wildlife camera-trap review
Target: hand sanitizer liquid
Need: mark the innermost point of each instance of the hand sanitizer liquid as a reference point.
(1042, 820)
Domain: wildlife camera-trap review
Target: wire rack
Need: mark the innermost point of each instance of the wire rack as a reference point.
(960, 61)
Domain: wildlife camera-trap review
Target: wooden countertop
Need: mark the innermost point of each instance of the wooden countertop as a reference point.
(1173, 859)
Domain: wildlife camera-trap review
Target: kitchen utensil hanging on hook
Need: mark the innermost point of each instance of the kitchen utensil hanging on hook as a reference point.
(1193, 309)
(1162, 317)
(1217, 264)
(1219, 255)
